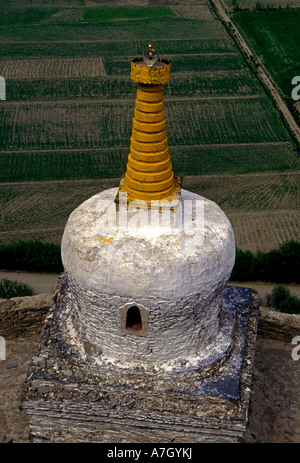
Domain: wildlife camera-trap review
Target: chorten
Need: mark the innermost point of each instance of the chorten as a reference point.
(146, 341)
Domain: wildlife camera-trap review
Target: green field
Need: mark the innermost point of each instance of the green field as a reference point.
(75, 125)
(275, 38)
(143, 30)
(108, 48)
(261, 4)
(24, 17)
(197, 84)
(111, 163)
(67, 121)
(105, 14)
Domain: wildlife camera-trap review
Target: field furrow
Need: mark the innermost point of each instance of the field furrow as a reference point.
(265, 231)
(200, 85)
(110, 48)
(95, 125)
(39, 210)
(144, 29)
(90, 163)
(251, 192)
(67, 119)
(30, 69)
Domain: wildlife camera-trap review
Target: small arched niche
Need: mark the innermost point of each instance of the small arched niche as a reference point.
(134, 319)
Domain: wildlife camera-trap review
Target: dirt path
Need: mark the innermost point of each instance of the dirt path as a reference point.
(265, 288)
(40, 282)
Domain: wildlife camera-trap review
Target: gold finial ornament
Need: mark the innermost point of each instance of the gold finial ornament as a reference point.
(150, 69)
(150, 52)
(149, 175)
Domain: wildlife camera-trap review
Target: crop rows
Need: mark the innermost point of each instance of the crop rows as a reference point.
(109, 48)
(48, 3)
(197, 160)
(30, 208)
(57, 165)
(238, 159)
(201, 12)
(39, 210)
(201, 84)
(106, 125)
(263, 3)
(51, 68)
(251, 193)
(274, 36)
(143, 30)
(181, 63)
(265, 230)
(223, 121)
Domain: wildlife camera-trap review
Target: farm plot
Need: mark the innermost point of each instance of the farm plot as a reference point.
(250, 193)
(24, 16)
(238, 120)
(61, 165)
(51, 68)
(238, 159)
(201, 84)
(72, 125)
(112, 48)
(275, 37)
(265, 230)
(66, 126)
(211, 84)
(24, 4)
(40, 210)
(111, 13)
(187, 63)
(261, 4)
(70, 89)
(198, 160)
(146, 30)
(192, 11)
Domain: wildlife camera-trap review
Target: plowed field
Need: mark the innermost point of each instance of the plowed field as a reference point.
(67, 120)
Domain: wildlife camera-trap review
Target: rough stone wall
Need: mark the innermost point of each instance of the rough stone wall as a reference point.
(23, 316)
(277, 325)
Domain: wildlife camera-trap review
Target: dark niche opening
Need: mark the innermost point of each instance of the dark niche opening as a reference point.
(134, 319)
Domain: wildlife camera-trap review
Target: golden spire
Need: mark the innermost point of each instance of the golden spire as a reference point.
(149, 175)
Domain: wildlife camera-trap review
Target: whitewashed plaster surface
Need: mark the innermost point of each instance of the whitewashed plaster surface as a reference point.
(176, 275)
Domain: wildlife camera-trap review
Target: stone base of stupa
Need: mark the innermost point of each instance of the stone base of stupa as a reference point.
(73, 398)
